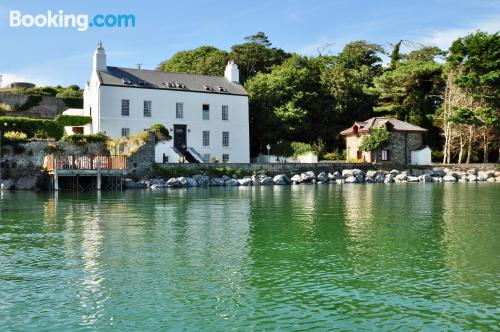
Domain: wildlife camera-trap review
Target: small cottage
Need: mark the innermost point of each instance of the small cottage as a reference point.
(405, 146)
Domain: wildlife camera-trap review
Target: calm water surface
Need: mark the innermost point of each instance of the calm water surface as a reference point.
(353, 257)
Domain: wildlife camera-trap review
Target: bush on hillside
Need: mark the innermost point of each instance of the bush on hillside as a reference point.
(15, 136)
(81, 139)
(31, 126)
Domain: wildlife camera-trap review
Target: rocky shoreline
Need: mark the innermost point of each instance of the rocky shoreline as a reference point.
(347, 176)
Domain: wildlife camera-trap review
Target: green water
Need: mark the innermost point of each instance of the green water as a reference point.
(326, 257)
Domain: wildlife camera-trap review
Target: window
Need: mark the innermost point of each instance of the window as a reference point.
(77, 130)
(179, 110)
(206, 138)
(147, 108)
(225, 138)
(385, 155)
(125, 107)
(225, 112)
(225, 158)
(206, 158)
(359, 155)
(125, 132)
(206, 112)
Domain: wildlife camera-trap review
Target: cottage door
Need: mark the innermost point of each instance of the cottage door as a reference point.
(180, 137)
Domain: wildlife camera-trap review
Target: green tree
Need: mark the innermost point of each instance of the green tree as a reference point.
(377, 139)
(204, 60)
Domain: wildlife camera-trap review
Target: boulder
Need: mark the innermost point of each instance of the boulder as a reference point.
(296, 179)
(331, 176)
(401, 177)
(322, 177)
(497, 179)
(437, 172)
(232, 183)
(360, 178)
(26, 182)
(471, 171)
(7, 184)
(191, 182)
(245, 182)
(416, 172)
(202, 180)
(372, 174)
(437, 179)
(449, 178)
(337, 175)
(347, 173)
(281, 180)
(217, 182)
(379, 178)
(357, 172)
(394, 172)
(182, 181)
(496, 174)
(413, 179)
(426, 178)
(491, 179)
(159, 182)
(225, 178)
(350, 179)
(340, 181)
(472, 178)
(369, 180)
(173, 182)
(389, 179)
(307, 176)
(266, 181)
(131, 184)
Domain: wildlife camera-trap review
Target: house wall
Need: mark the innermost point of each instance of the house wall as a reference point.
(163, 104)
(396, 147)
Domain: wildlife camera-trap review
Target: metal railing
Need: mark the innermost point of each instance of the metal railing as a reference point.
(84, 162)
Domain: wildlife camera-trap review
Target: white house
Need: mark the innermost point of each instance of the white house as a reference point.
(207, 116)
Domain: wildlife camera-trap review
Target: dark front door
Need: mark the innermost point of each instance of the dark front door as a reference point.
(180, 137)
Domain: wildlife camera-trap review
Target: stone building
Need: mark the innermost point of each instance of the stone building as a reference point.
(405, 139)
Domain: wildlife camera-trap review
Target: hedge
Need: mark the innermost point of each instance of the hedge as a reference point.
(73, 120)
(81, 139)
(31, 126)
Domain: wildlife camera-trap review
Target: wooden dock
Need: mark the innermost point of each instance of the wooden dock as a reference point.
(93, 166)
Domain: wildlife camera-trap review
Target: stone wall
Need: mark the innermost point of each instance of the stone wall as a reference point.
(140, 162)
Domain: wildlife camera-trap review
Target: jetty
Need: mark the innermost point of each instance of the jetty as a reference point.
(86, 172)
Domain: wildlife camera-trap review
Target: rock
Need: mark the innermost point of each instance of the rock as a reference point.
(416, 172)
(413, 179)
(449, 178)
(159, 182)
(245, 182)
(337, 175)
(379, 178)
(131, 184)
(360, 178)
(296, 179)
(394, 172)
(232, 183)
(369, 180)
(217, 182)
(471, 171)
(202, 180)
(401, 177)
(437, 179)
(266, 181)
(182, 181)
(331, 176)
(350, 179)
(7, 184)
(389, 179)
(281, 180)
(472, 178)
(191, 182)
(347, 173)
(307, 176)
(426, 178)
(357, 172)
(372, 174)
(437, 172)
(26, 183)
(491, 179)
(173, 182)
(340, 181)
(225, 178)
(322, 177)
(497, 174)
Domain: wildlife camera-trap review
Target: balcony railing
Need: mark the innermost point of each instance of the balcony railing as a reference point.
(74, 162)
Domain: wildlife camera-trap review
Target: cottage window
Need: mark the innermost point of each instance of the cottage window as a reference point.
(125, 132)
(225, 138)
(179, 110)
(206, 138)
(206, 112)
(385, 155)
(359, 155)
(225, 158)
(125, 107)
(147, 108)
(225, 112)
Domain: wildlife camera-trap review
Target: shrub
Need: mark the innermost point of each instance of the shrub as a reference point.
(335, 155)
(41, 134)
(72, 120)
(31, 126)
(300, 148)
(15, 136)
(53, 148)
(282, 149)
(71, 98)
(81, 139)
(437, 156)
(161, 133)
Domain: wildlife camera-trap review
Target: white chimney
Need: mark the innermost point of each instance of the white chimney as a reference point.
(0, 81)
(232, 72)
(99, 58)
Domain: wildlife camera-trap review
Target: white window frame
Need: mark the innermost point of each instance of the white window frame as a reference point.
(225, 139)
(125, 132)
(147, 108)
(205, 112)
(179, 110)
(205, 138)
(385, 155)
(225, 157)
(125, 107)
(225, 113)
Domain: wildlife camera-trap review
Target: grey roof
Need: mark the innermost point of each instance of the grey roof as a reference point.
(395, 125)
(153, 79)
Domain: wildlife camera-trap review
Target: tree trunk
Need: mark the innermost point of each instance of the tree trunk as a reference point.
(469, 146)
(461, 152)
(485, 147)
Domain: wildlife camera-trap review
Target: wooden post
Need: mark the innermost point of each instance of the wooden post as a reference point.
(98, 162)
(56, 180)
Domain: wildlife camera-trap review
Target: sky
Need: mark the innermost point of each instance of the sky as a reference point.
(63, 56)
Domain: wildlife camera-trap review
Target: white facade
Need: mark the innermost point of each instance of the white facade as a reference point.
(148, 106)
(422, 156)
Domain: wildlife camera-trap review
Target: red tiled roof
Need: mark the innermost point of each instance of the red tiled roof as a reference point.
(395, 125)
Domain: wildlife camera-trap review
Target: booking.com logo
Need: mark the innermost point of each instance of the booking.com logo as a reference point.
(80, 22)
